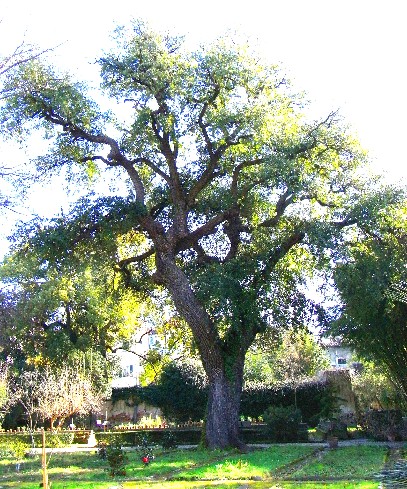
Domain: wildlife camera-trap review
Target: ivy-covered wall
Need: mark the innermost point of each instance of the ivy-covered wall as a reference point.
(181, 398)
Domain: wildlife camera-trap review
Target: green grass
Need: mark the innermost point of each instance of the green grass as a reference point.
(359, 462)
(198, 485)
(194, 469)
(250, 485)
(247, 466)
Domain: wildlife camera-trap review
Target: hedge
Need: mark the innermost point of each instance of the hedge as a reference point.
(187, 436)
(52, 440)
(314, 399)
(183, 436)
(181, 399)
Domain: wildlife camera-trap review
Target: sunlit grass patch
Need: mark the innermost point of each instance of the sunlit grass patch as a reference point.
(198, 485)
(251, 485)
(247, 466)
(221, 469)
(361, 461)
(170, 462)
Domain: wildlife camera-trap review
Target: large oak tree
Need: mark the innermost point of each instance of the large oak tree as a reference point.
(233, 193)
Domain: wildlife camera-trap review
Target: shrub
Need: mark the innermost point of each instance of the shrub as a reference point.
(383, 424)
(52, 440)
(132, 438)
(57, 440)
(112, 451)
(169, 440)
(283, 423)
(116, 459)
(80, 437)
(14, 446)
(145, 449)
(181, 394)
(332, 428)
(102, 449)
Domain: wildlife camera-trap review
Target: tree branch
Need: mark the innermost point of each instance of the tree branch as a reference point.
(276, 255)
(136, 259)
(206, 229)
(283, 202)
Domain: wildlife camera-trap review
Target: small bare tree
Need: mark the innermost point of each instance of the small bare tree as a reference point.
(55, 394)
(67, 392)
(26, 390)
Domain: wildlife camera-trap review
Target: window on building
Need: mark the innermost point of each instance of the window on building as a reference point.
(341, 361)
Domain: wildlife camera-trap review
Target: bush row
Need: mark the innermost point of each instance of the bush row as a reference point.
(181, 436)
(17, 444)
(190, 436)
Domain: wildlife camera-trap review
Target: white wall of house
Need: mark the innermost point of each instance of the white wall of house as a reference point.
(339, 356)
(130, 362)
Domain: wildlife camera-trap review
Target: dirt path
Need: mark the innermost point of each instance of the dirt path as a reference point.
(394, 473)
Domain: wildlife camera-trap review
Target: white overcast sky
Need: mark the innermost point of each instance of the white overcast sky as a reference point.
(347, 54)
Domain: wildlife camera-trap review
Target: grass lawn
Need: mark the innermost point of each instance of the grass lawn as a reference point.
(247, 466)
(355, 462)
(189, 469)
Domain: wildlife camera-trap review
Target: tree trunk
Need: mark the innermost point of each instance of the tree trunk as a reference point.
(222, 423)
(222, 360)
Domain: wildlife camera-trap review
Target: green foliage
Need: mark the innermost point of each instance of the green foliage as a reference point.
(332, 428)
(187, 436)
(67, 294)
(283, 423)
(14, 445)
(372, 317)
(117, 460)
(294, 357)
(314, 399)
(132, 395)
(373, 388)
(180, 392)
(52, 440)
(57, 440)
(112, 452)
(102, 449)
(299, 357)
(169, 440)
(181, 395)
(174, 338)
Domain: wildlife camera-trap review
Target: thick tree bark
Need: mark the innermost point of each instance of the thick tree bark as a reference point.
(223, 366)
(222, 422)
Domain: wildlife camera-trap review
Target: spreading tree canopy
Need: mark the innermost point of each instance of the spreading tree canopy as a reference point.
(57, 308)
(233, 193)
